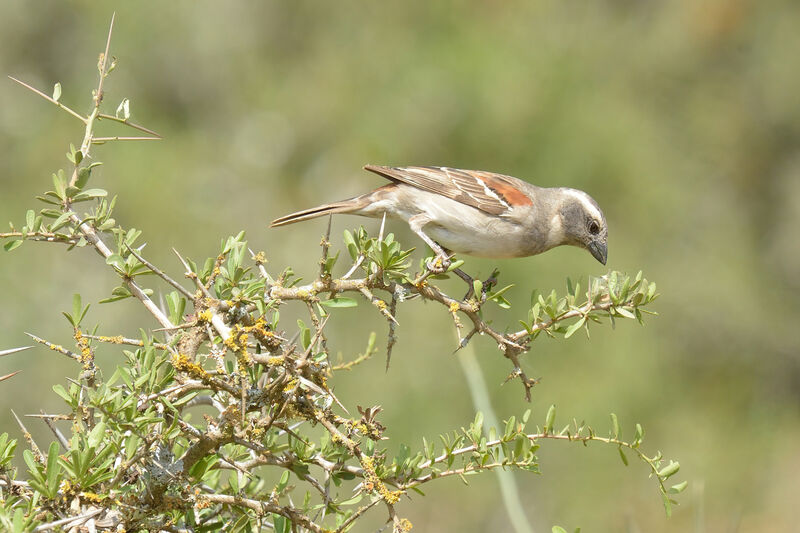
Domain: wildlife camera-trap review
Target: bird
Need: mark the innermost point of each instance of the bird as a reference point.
(476, 213)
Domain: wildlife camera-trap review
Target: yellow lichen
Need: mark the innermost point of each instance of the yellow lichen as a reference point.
(183, 363)
(119, 339)
(290, 385)
(86, 353)
(404, 525)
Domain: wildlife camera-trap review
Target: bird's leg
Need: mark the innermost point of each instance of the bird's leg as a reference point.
(442, 261)
(490, 282)
(486, 287)
(468, 280)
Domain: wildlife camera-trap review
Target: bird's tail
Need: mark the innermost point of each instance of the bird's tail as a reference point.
(345, 206)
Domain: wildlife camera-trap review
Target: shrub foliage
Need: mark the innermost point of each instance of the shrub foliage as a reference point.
(222, 415)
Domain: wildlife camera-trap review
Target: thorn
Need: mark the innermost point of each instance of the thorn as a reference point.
(27, 435)
(383, 225)
(14, 350)
(181, 289)
(11, 375)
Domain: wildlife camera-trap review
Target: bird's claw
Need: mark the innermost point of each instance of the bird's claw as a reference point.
(489, 284)
(486, 286)
(438, 264)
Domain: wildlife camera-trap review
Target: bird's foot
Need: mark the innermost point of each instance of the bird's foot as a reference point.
(485, 286)
(439, 264)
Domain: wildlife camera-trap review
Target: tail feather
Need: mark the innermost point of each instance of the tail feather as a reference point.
(344, 206)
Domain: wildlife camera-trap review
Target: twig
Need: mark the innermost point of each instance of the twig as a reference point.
(73, 521)
(260, 506)
(355, 516)
(133, 125)
(99, 94)
(160, 273)
(260, 260)
(573, 313)
(326, 243)
(101, 140)
(55, 347)
(391, 337)
(40, 236)
(119, 339)
(192, 275)
(355, 266)
(49, 99)
(27, 435)
(378, 303)
(59, 436)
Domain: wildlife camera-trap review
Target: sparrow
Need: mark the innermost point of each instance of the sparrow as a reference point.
(476, 213)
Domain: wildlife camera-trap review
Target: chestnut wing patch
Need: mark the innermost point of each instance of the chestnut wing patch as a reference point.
(492, 193)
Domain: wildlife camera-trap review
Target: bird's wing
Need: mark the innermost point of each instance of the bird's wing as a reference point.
(492, 193)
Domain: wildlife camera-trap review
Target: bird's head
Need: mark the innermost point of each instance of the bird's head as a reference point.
(583, 223)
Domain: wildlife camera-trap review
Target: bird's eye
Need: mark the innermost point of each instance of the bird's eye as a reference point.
(594, 229)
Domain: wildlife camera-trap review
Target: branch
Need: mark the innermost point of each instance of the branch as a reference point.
(263, 507)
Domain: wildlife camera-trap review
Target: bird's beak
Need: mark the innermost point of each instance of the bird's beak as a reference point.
(599, 250)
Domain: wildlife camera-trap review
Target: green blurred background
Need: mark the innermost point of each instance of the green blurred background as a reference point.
(681, 118)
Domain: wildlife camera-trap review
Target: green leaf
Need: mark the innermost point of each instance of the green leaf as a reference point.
(558, 529)
(61, 391)
(680, 487)
(83, 176)
(74, 156)
(30, 217)
(33, 466)
(176, 306)
(669, 470)
(639, 435)
(339, 301)
(12, 245)
(477, 287)
(53, 469)
(575, 327)
(88, 194)
(623, 456)
(511, 427)
(614, 426)
(455, 264)
(350, 242)
(281, 524)
(624, 312)
(667, 505)
(76, 307)
(550, 419)
(97, 435)
(118, 293)
(116, 261)
(284, 481)
(60, 184)
(124, 109)
(61, 221)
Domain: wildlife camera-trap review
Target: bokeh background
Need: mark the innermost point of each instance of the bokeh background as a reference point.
(681, 118)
